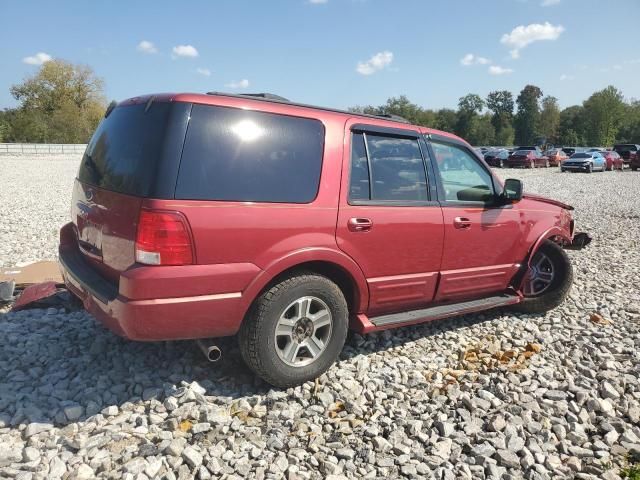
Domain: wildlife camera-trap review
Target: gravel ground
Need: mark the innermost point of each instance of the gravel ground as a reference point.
(482, 396)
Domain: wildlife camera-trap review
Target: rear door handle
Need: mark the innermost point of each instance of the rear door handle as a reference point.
(359, 224)
(462, 223)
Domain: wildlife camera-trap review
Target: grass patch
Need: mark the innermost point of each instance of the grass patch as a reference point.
(631, 472)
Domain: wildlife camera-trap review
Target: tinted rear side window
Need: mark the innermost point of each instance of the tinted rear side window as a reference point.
(238, 155)
(124, 152)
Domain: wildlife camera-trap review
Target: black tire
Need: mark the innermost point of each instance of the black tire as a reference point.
(633, 169)
(257, 334)
(559, 288)
(562, 170)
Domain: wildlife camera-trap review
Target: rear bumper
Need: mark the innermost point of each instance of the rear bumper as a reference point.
(150, 317)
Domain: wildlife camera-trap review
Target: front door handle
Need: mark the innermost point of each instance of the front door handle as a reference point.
(462, 223)
(359, 224)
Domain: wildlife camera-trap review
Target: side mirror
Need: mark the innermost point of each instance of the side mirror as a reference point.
(512, 191)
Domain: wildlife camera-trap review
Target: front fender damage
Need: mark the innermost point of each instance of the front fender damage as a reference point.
(580, 240)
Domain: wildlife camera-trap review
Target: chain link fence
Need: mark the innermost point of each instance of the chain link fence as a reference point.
(41, 148)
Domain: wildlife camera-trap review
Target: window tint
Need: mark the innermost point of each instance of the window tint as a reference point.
(463, 178)
(123, 153)
(397, 169)
(359, 183)
(239, 155)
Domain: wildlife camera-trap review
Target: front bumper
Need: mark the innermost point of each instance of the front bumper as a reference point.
(578, 167)
(580, 240)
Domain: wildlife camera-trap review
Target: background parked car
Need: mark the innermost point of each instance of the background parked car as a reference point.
(614, 161)
(628, 152)
(569, 150)
(527, 159)
(556, 156)
(584, 162)
(496, 158)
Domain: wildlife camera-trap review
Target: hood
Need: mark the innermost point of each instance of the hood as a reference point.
(539, 198)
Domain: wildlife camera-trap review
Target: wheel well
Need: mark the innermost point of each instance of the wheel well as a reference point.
(333, 272)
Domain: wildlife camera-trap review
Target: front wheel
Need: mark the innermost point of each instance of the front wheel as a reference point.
(295, 330)
(548, 279)
(590, 168)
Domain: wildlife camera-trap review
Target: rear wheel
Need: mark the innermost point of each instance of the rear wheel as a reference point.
(295, 330)
(548, 279)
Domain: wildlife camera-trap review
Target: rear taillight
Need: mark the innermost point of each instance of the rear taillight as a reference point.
(164, 238)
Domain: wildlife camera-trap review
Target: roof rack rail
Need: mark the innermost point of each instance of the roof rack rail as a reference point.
(263, 95)
(391, 116)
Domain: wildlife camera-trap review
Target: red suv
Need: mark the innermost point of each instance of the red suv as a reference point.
(198, 216)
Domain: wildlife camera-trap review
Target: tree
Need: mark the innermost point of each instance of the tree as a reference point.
(571, 128)
(485, 133)
(550, 119)
(630, 128)
(501, 104)
(469, 107)
(446, 120)
(61, 103)
(604, 112)
(528, 116)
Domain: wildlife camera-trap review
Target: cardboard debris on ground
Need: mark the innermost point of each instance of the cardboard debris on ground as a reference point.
(38, 272)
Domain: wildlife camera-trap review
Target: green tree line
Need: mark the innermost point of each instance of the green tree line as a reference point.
(63, 103)
(530, 118)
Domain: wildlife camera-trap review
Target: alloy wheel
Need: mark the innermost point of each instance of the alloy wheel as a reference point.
(539, 276)
(303, 331)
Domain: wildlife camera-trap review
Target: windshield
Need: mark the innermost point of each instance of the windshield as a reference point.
(521, 152)
(625, 148)
(580, 155)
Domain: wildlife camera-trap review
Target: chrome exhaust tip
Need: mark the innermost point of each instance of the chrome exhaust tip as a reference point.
(211, 352)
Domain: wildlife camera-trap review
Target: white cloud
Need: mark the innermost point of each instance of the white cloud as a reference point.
(37, 59)
(375, 63)
(244, 83)
(564, 76)
(521, 36)
(470, 59)
(498, 70)
(204, 71)
(185, 51)
(318, 2)
(548, 3)
(145, 46)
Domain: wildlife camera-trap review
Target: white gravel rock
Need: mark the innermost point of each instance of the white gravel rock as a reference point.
(78, 402)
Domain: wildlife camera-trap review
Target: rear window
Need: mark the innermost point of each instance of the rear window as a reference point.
(123, 153)
(625, 148)
(239, 155)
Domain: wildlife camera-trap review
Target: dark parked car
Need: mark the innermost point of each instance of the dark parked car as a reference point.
(496, 158)
(199, 216)
(629, 153)
(526, 159)
(569, 150)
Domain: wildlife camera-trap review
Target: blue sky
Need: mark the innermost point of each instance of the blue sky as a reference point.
(332, 52)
